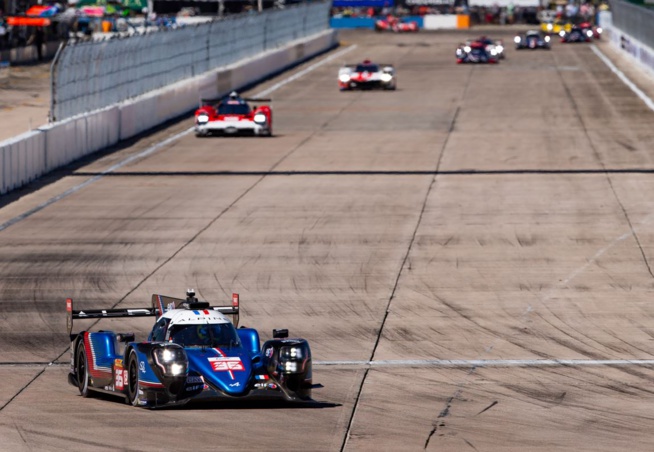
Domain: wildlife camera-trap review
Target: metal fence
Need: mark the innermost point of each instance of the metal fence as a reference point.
(635, 20)
(92, 75)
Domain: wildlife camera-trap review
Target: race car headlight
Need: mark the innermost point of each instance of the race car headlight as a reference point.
(516, 39)
(499, 49)
(549, 27)
(599, 30)
(260, 118)
(386, 78)
(202, 119)
(466, 48)
(290, 366)
(293, 358)
(172, 361)
(547, 39)
(291, 353)
(344, 78)
(589, 33)
(493, 52)
(562, 33)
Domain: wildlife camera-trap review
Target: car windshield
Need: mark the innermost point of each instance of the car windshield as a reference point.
(205, 335)
(367, 68)
(237, 108)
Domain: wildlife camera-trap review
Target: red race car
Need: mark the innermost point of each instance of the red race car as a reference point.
(392, 23)
(594, 29)
(233, 115)
(576, 34)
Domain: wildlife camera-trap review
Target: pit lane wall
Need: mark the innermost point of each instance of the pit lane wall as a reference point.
(35, 153)
(641, 53)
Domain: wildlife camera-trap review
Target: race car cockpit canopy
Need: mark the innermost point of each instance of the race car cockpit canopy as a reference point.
(234, 107)
(366, 67)
(204, 335)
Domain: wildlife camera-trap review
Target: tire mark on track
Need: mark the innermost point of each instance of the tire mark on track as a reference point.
(598, 157)
(405, 261)
(543, 299)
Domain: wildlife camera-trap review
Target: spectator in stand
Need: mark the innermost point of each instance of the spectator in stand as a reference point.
(68, 20)
(510, 10)
(3, 33)
(37, 38)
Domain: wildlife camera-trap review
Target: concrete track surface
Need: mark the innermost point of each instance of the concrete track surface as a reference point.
(469, 256)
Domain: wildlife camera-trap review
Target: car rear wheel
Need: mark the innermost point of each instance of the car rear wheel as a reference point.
(82, 370)
(133, 379)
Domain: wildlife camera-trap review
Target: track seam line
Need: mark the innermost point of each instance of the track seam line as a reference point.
(355, 407)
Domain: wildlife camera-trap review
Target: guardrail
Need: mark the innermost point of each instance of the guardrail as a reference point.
(635, 20)
(93, 75)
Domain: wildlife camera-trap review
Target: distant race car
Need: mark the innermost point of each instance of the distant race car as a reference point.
(595, 30)
(232, 115)
(532, 39)
(494, 47)
(577, 34)
(393, 23)
(193, 352)
(476, 53)
(367, 75)
(555, 26)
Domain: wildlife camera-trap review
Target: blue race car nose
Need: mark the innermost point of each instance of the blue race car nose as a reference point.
(228, 370)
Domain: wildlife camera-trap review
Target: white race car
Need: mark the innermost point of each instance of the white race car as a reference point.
(367, 75)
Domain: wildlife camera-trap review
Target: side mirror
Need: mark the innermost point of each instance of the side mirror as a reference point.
(125, 337)
(280, 334)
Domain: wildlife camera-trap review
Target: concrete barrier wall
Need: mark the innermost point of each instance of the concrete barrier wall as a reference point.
(641, 54)
(33, 154)
(22, 159)
(446, 21)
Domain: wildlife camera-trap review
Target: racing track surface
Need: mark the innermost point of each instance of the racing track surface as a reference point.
(484, 235)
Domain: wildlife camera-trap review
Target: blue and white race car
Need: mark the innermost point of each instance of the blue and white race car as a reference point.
(193, 352)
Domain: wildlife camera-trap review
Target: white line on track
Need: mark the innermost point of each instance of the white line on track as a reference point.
(632, 86)
(156, 147)
(437, 363)
(467, 363)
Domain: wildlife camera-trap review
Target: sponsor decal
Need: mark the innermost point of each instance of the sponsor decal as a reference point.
(119, 375)
(142, 366)
(269, 352)
(234, 385)
(194, 380)
(226, 364)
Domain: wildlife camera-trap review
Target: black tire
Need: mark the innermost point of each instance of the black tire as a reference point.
(132, 379)
(82, 370)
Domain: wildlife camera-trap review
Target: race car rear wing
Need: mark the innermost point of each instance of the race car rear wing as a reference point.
(383, 67)
(163, 303)
(215, 101)
(160, 304)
